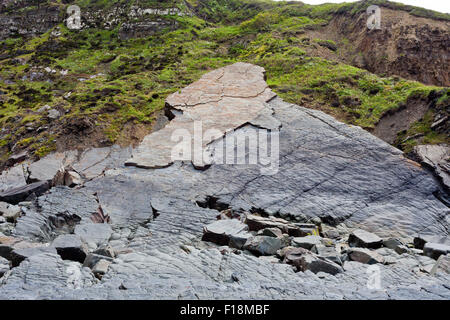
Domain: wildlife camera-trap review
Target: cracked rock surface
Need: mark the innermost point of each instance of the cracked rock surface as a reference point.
(152, 214)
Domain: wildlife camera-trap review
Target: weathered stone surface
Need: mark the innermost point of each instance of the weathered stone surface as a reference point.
(307, 242)
(14, 196)
(10, 212)
(364, 239)
(437, 157)
(442, 265)
(12, 178)
(339, 173)
(421, 240)
(222, 100)
(18, 255)
(262, 245)
(435, 250)
(271, 232)
(98, 233)
(4, 266)
(50, 168)
(70, 247)
(329, 253)
(72, 179)
(392, 243)
(256, 223)
(304, 260)
(365, 256)
(219, 232)
(101, 268)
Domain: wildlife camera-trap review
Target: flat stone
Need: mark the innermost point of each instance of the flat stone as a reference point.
(70, 247)
(392, 243)
(263, 245)
(19, 255)
(442, 265)
(435, 250)
(421, 240)
(307, 242)
(219, 232)
(101, 267)
(329, 253)
(14, 196)
(364, 239)
(222, 100)
(257, 223)
(4, 266)
(12, 178)
(437, 157)
(271, 232)
(365, 256)
(50, 168)
(304, 260)
(98, 233)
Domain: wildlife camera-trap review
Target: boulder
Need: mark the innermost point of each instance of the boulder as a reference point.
(392, 243)
(16, 195)
(435, 250)
(304, 260)
(12, 178)
(105, 250)
(421, 240)
(364, 239)
(10, 212)
(72, 179)
(307, 242)
(4, 266)
(98, 233)
(364, 255)
(271, 232)
(19, 255)
(70, 247)
(219, 232)
(442, 265)
(329, 253)
(263, 245)
(100, 268)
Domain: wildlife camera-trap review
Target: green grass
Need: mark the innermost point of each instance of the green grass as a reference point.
(140, 73)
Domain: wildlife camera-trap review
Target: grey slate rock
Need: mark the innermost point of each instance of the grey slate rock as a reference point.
(442, 265)
(16, 195)
(263, 245)
(421, 240)
(98, 233)
(435, 250)
(10, 212)
(19, 255)
(364, 239)
(365, 256)
(219, 232)
(392, 243)
(307, 242)
(70, 247)
(4, 266)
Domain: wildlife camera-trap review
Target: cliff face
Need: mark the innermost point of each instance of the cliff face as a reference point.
(412, 47)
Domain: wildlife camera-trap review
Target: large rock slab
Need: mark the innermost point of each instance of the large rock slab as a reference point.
(221, 101)
(364, 239)
(13, 178)
(437, 157)
(220, 232)
(16, 195)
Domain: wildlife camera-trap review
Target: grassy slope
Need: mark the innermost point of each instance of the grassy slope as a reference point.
(138, 74)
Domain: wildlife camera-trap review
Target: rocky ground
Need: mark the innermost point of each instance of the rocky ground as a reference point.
(346, 216)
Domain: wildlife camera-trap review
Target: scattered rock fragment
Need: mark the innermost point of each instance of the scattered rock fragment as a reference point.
(257, 223)
(263, 245)
(271, 232)
(72, 179)
(220, 231)
(307, 242)
(70, 247)
(329, 253)
(10, 212)
(364, 239)
(98, 233)
(105, 250)
(14, 196)
(421, 240)
(19, 255)
(100, 268)
(442, 265)
(305, 260)
(4, 266)
(364, 255)
(435, 250)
